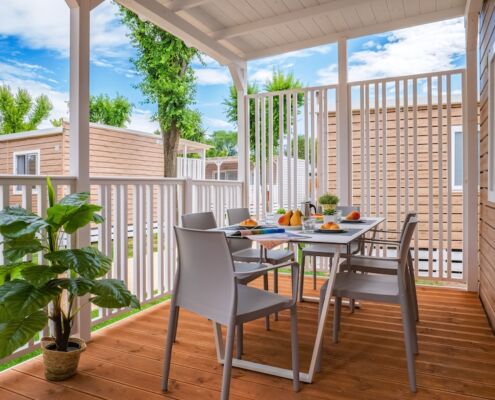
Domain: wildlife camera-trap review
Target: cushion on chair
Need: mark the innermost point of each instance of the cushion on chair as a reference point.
(254, 303)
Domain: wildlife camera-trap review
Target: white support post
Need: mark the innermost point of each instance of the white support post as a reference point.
(239, 76)
(470, 159)
(79, 124)
(203, 167)
(344, 165)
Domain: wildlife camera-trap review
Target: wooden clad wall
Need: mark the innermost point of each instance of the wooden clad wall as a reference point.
(487, 210)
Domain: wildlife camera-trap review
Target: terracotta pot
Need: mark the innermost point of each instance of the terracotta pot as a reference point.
(60, 365)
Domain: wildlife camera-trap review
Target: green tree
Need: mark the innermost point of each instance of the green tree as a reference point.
(56, 122)
(18, 112)
(278, 81)
(108, 111)
(224, 142)
(164, 62)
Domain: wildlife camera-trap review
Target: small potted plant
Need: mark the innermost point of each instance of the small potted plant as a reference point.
(33, 292)
(328, 201)
(329, 215)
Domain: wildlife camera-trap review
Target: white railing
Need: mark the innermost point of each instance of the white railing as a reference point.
(193, 168)
(137, 233)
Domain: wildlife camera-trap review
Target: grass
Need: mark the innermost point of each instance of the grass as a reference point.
(94, 314)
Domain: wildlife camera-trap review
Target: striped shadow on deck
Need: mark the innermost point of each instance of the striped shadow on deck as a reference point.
(123, 362)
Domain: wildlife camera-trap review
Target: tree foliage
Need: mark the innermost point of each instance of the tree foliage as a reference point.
(18, 112)
(224, 142)
(164, 62)
(108, 111)
(278, 81)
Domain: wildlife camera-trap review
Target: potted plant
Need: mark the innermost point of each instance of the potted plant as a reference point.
(328, 201)
(329, 215)
(35, 292)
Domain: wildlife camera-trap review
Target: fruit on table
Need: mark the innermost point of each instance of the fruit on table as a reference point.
(285, 219)
(296, 218)
(249, 223)
(353, 215)
(330, 226)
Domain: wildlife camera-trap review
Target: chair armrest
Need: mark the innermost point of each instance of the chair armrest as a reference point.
(386, 231)
(370, 261)
(394, 243)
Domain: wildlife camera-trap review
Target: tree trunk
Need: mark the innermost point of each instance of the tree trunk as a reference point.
(170, 150)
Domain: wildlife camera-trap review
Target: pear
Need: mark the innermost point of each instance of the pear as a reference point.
(296, 219)
(285, 219)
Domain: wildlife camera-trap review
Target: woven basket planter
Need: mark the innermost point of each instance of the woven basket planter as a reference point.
(60, 365)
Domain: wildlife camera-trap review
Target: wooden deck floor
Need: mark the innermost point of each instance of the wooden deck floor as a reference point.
(123, 362)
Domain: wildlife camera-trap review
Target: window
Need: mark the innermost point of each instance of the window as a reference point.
(457, 165)
(457, 149)
(491, 125)
(226, 175)
(26, 163)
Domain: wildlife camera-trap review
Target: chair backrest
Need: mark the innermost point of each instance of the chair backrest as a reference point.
(347, 209)
(203, 221)
(205, 282)
(409, 215)
(404, 249)
(236, 215)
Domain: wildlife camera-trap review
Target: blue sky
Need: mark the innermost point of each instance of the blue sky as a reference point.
(34, 55)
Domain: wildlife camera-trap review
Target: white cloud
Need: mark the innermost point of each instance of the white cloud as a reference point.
(212, 76)
(425, 48)
(261, 75)
(46, 25)
(141, 121)
(215, 123)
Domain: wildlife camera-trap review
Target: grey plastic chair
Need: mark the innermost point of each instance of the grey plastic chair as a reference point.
(205, 283)
(384, 289)
(379, 265)
(323, 250)
(250, 270)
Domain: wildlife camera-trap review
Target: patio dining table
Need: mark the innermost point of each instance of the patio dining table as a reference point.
(341, 242)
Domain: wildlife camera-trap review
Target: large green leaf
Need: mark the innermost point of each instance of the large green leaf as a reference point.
(38, 275)
(17, 248)
(77, 287)
(51, 192)
(75, 199)
(16, 222)
(81, 217)
(12, 271)
(112, 293)
(17, 332)
(18, 298)
(87, 262)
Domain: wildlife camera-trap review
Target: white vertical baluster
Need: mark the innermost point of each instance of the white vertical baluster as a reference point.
(415, 170)
(406, 146)
(384, 157)
(362, 125)
(377, 152)
(306, 147)
(313, 149)
(440, 176)
(270, 154)
(136, 242)
(150, 287)
(367, 132)
(124, 248)
(430, 181)
(288, 150)
(280, 165)
(449, 177)
(263, 157)
(397, 154)
(257, 154)
(295, 153)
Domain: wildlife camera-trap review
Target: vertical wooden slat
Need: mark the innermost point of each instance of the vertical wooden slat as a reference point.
(295, 143)
(377, 151)
(306, 146)
(430, 179)
(263, 157)
(288, 150)
(257, 154)
(406, 145)
(270, 156)
(362, 125)
(449, 177)
(313, 148)
(415, 170)
(397, 155)
(280, 164)
(440, 176)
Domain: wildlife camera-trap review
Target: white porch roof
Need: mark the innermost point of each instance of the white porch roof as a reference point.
(236, 31)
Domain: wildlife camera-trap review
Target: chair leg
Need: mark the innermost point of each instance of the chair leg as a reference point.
(265, 287)
(172, 328)
(275, 287)
(320, 353)
(240, 344)
(295, 348)
(408, 327)
(314, 274)
(301, 278)
(352, 305)
(227, 362)
(176, 324)
(336, 319)
(412, 278)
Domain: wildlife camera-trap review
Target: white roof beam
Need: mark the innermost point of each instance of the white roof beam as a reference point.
(181, 5)
(281, 19)
(153, 11)
(358, 32)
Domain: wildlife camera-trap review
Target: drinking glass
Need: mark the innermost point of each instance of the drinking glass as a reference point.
(308, 223)
(338, 216)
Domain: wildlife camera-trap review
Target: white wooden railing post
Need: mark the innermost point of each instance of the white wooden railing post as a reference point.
(239, 75)
(344, 172)
(187, 197)
(79, 123)
(470, 160)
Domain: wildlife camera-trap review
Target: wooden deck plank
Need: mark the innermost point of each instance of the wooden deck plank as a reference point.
(124, 361)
